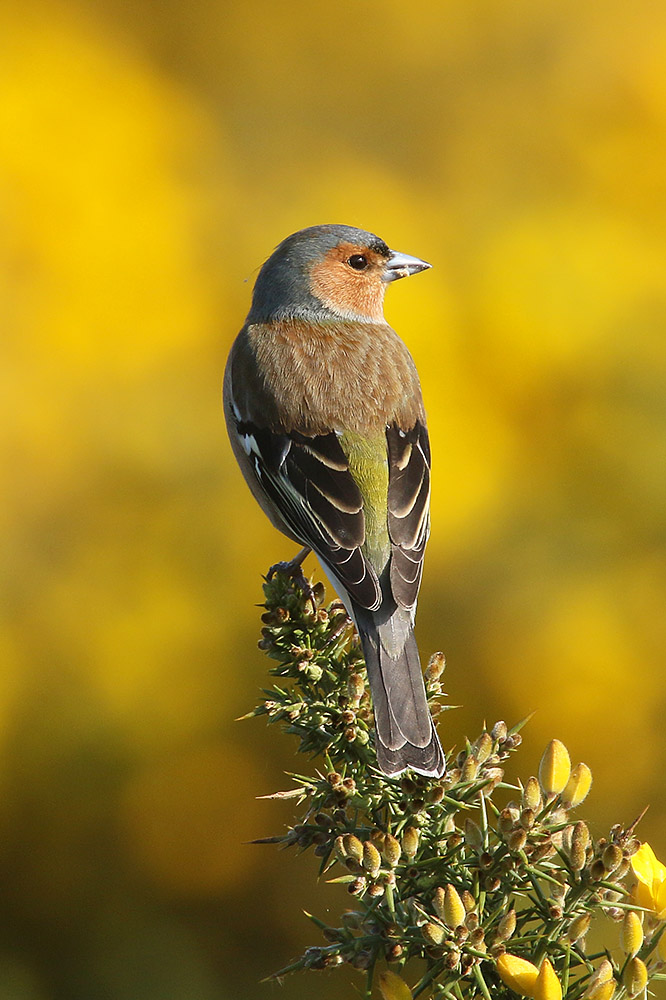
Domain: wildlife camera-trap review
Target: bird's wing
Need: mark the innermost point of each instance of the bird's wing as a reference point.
(309, 481)
(408, 508)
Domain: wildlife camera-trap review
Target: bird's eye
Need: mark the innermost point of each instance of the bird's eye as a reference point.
(358, 261)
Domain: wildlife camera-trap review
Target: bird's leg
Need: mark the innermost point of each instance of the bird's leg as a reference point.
(294, 569)
(291, 568)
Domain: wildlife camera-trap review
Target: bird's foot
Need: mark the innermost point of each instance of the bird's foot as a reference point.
(294, 569)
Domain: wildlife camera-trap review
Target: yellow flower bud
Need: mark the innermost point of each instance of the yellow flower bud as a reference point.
(393, 987)
(468, 900)
(635, 977)
(355, 688)
(410, 841)
(454, 909)
(579, 927)
(438, 902)
(470, 769)
(547, 985)
(433, 933)
(580, 838)
(353, 847)
(578, 786)
(391, 850)
(612, 857)
(517, 973)
(554, 769)
(631, 933)
(506, 926)
(532, 795)
(577, 858)
(482, 748)
(435, 668)
(371, 858)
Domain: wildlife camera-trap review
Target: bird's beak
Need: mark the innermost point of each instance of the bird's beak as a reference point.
(401, 265)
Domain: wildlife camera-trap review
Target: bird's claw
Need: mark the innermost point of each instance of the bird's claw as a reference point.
(294, 569)
(279, 567)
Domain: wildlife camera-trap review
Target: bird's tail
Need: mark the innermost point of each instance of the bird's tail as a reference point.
(406, 734)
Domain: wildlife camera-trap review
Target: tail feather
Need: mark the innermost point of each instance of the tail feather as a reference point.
(405, 731)
(425, 760)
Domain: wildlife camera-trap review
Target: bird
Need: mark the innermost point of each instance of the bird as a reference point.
(325, 417)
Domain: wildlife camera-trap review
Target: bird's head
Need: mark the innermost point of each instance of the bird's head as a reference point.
(334, 272)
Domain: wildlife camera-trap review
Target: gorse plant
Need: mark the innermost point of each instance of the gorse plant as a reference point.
(465, 886)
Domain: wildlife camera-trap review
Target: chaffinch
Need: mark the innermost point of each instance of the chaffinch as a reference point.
(325, 415)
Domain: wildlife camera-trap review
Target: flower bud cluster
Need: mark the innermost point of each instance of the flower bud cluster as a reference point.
(372, 861)
(328, 704)
(494, 886)
(603, 864)
(453, 931)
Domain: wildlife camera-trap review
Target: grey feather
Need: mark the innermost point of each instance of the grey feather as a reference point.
(405, 732)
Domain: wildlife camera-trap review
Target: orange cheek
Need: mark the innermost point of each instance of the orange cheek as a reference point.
(342, 292)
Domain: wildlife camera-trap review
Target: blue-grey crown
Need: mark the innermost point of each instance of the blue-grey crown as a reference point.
(282, 288)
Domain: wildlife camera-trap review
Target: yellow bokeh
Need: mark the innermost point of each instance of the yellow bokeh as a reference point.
(151, 156)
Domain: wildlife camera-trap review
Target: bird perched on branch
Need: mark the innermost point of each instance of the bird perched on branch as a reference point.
(324, 411)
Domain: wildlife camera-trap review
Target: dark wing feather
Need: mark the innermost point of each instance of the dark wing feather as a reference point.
(309, 481)
(408, 508)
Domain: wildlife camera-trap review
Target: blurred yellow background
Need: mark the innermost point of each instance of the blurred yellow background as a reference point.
(151, 156)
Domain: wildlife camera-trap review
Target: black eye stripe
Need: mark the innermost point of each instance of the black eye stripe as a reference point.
(358, 261)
